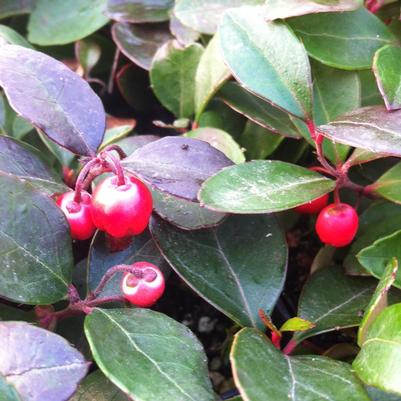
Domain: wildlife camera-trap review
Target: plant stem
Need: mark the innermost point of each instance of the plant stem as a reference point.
(116, 148)
(291, 345)
(110, 84)
(116, 165)
(81, 177)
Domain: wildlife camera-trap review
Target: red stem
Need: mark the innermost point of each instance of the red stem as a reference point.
(110, 84)
(81, 177)
(291, 345)
(116, 148)
(118, 170)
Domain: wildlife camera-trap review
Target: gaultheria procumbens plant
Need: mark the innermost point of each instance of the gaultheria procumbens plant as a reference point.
(200, 200)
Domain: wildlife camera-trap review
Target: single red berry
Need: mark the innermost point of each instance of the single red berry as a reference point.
(78, 214)
(337, 224)
(121, 210)
(314, 206)
(145, 286)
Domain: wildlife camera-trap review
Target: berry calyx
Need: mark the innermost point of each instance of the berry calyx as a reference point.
(121, 210)
(78, 215)
(337, 224)
(145, 286)
(314, 206)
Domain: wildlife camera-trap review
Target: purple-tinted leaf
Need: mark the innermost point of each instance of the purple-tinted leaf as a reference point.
(139, 10)
(176, 165)
(9, 8)
(140, 42)
(53, 98)
(38, 364)
(372, 128)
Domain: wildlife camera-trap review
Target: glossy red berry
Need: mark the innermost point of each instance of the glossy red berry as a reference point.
(314, 206)
(144, 287)
(121, 210)
(78, 215)
(337, 224)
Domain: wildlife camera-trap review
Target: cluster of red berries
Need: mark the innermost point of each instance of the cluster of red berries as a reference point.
(336, 224)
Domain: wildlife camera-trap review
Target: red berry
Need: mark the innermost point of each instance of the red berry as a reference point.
(337, 224)
(144, 287)
(121, 210)
(78, 214)
(314, 206)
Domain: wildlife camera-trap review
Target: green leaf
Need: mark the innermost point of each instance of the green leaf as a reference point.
(297, 324)
(257, 110)
(115, 134)
(342, 40)
(35, 245)
(378, 395)
(370, 94)
(16, 314)
(96, 387)
(219, 140)
(276, 9)
(88, 53)
(172, 76)
(57, 22)
(379, 220)
(162, 360)
(262, 187)
(204, 15)
(386, 64)
(140, 42)
(37, 364)
(13, 37)
(263, 373)
(267, 59)
(9, 8)
(238, 266)
(332, 300)
(184, 34)
(211, 74)
(27, 166)
(378, 362)
(139, 11)
(376, 257)
(372, 128)
(379, 299)
(259, 143)
(360, 156)
(388, 185)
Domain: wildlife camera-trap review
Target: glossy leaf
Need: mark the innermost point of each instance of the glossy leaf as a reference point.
(379, 299)
(342, 40)
(360, 156)
(57, 22)
(22, 161)
(297, 324)
(176, 165)
(35, 245)
(101, 258)
(386, 64)
(263, 373)
(96, 387)
(219, 140)
(139, 11)
(376, 257)
(184, 34)
(174, 85)
(38, 364)
(388, 185)
(267, 59)
(257, 110)
(115, 134)
(276, 9)
(9, 8)
(205, 15)
(140, 42)
(163, 359)
(262, 187)
(13, 37)
(377, 364)
(372, 128)
(88, 53)
(52, 97)
(370, 95)
(339, 305)
(211, 74)
(379, 220)
(378, 395)
(238, 266)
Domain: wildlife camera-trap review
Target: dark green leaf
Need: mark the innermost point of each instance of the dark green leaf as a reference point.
(239, 266)
(172, 76)
(139, 11)
(35, 245)
(88, 53)
(162, 360)
(263, 373)
(370, 95)
(15, 314)
(140, 42)
(13, 37)
(38, 364)
(388, 185)
(342, 40)
(46, 92)
(57, 22)
(267, 59)
(9, 8)
(262, 187)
